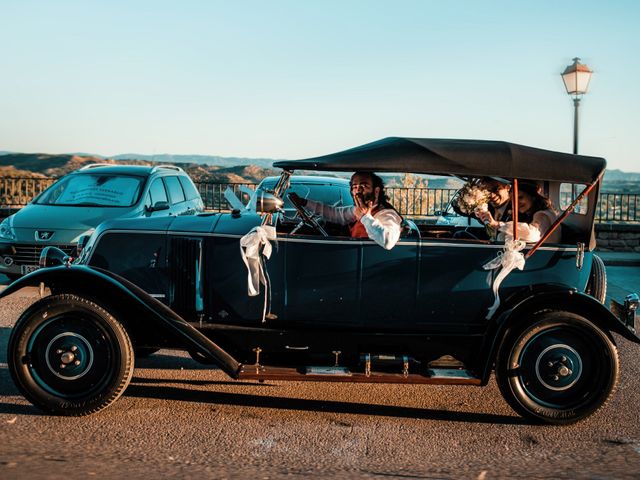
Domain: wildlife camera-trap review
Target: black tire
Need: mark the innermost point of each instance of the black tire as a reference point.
(597, 285)
(69, 356)
(559, 369)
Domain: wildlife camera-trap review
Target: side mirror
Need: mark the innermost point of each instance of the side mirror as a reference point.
(267, 202)
(158, 206)
(438, 213)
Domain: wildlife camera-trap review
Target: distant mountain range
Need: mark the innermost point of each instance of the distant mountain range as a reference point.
(44, 165)
(620, 176)
(212, 160)
(199, 159)
(216, 168)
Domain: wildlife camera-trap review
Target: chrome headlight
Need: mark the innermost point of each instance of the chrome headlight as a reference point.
(6, 229)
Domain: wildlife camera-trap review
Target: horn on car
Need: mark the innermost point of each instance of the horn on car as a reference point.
(267, 202)
(53, 256)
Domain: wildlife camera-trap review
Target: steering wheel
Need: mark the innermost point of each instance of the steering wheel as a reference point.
(306, 218)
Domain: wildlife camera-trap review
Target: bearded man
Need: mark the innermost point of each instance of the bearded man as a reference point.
(371, 216)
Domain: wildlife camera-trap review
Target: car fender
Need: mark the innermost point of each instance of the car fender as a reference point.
(141, 308)
(553, 298)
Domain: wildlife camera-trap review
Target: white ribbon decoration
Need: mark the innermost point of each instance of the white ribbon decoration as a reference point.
(250, 249)
(507, 260)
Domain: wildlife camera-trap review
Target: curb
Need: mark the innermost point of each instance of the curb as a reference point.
(620, 262)
(620, 259)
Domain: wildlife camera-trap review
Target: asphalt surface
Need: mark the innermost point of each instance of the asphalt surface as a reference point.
(178, 419)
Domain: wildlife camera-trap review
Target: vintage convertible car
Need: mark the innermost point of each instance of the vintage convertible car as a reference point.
(333, 308)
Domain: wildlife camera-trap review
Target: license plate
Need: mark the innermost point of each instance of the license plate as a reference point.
(24, 269)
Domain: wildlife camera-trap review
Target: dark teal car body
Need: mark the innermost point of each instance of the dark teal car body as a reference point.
(336, 308)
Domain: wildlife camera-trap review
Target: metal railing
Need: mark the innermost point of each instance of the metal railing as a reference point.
(213, 194)
(16, 192)
(420, 202)
(618, 207)
(411, 202)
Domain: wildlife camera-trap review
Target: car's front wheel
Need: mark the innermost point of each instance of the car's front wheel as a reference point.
(69, 356)
(559, 369)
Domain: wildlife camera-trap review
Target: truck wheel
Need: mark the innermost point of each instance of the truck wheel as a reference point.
(559, 369)
(69, 356)
(597, 285)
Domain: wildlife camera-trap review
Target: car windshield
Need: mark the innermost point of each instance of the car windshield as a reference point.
(328, 194)
(93, 190)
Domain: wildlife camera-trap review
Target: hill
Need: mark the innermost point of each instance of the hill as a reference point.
(620, 176)
(45, 165)
(198, 159)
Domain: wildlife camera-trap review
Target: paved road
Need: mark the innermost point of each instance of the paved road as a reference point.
(178, 419)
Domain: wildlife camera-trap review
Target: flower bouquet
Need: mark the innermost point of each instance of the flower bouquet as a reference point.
(472, 198)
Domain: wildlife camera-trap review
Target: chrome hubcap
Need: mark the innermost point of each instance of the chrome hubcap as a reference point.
(558, 367)
(69, 356)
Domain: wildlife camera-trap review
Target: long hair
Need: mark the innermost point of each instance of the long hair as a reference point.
(540, 200)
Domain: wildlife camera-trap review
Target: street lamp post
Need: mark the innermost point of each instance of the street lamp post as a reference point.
(576, 80)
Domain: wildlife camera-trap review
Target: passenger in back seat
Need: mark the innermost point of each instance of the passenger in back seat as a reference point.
(535, 214)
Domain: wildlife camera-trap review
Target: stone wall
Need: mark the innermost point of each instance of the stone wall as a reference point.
(618, 237)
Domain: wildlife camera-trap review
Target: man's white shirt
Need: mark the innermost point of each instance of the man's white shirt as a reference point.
(384, 227)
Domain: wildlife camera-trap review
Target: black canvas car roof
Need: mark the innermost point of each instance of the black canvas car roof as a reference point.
(457, 157)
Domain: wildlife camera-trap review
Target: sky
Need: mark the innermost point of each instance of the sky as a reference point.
(290, 79)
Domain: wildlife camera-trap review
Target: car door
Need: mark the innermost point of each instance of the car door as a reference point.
(177, 197)
(322, 276)
(194, 201)
(454, 290)
(388, 284)
(157, 194)
(350, 282)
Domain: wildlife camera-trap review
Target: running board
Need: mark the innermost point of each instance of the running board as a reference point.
(434, 376)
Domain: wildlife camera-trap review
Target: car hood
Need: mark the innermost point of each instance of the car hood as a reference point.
(63, 224)
(54, 217)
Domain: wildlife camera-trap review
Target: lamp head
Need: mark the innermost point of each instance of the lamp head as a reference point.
(576, 78)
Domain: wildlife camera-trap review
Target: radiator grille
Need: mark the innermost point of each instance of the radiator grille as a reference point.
(30, 254)
(184, 268)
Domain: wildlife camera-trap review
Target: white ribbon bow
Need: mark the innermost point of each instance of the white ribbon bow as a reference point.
(507, 260)
(250, 249)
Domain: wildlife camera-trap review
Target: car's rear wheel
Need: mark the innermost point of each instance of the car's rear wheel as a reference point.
(69, 356)
(597, 285)
(559, 369)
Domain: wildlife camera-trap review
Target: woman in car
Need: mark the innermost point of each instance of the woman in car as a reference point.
(535, 212)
